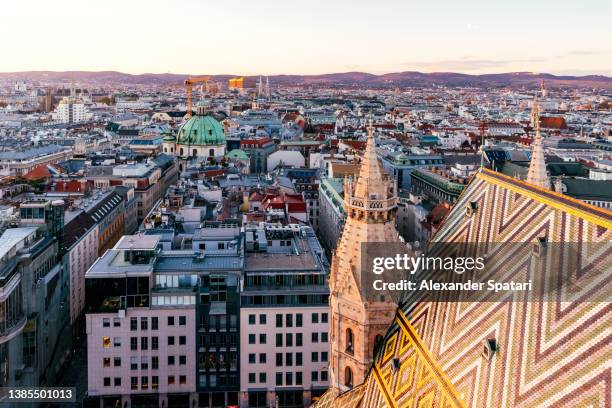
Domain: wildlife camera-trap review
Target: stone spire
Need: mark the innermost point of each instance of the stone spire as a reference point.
(537, 174)
(371, 182)
(357, 323)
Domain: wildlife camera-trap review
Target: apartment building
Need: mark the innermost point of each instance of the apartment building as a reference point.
(34, 341)
(283, 317)
(140, 326)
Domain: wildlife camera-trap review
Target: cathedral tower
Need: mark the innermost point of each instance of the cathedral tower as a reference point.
(537, 174)
(358, 324)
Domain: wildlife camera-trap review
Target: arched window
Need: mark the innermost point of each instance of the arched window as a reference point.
(377, 344)
(165, 150)
(350, 341)
(194, 152)
(181, 151)
(348, 377)
(211, 152)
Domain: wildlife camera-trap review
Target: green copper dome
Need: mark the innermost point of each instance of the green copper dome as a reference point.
(201, 131)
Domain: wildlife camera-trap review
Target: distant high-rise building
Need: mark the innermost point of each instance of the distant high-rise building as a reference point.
(71, 110)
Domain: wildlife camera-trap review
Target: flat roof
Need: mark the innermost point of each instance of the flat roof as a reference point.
(12, 237)
(143, 242)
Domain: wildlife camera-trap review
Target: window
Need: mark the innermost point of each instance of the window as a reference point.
(298, 339)
(154, 362)
(170, 320)
(251, 338)
(348, 377)
(106, 362)
(144, 363)
(288, 378)
(314, 376)
(279, 378)
(323, 375)
(349, 341)
(314, 357)
(279, 359)
(324, 337)
(298, 320)
(183, 379)
(289, 359)
(315, 337)
(279, 339)
(377, 343)
(324, 356)
(106, 343)
(182, 360)
(262, 358)
(262, 319)
(171, 340)
(154, 382)
(298, 378)
(315, 318)
(144, 323)
(323, 317)
(252, 319)
(170, 379)
(279, 320)
(117, 362)
(144, 343)
(298, 359)
(154, 343)
(117, 381)
(262, 377)
(182, 340)
(116, 323)
(133, 363)
(251, 378)
(133, 343)
(262, 338)
(106, 323)
(107, 381)
(289, 320)
(134, 382)
(154, 323)
(182, 320)
(133, 323)
(289, 340)
(170, 360)
(117, 341)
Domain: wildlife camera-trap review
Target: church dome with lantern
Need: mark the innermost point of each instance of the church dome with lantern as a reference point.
(202, 136)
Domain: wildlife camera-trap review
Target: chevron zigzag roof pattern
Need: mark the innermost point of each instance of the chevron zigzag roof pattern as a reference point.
(551, 354)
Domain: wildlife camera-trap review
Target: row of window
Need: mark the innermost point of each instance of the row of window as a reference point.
(289, 377)
(322, 337)
(144, 382)
(144, 342)
(144, 322)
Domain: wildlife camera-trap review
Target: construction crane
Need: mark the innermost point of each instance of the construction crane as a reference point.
(189, 82)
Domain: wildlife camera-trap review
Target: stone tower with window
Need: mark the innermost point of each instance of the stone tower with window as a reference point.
(358, 324)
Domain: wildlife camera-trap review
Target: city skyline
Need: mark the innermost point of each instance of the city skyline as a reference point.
(270, 39)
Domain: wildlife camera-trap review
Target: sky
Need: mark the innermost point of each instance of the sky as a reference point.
(268, 37)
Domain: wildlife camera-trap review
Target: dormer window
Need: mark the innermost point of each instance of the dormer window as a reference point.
(471, 208)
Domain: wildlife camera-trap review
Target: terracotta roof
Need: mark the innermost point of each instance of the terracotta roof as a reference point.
(553, 122)
(39, 172)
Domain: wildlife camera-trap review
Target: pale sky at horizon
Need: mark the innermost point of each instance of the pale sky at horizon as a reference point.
(312, 37)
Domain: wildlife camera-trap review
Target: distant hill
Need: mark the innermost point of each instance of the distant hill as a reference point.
(398, 79)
